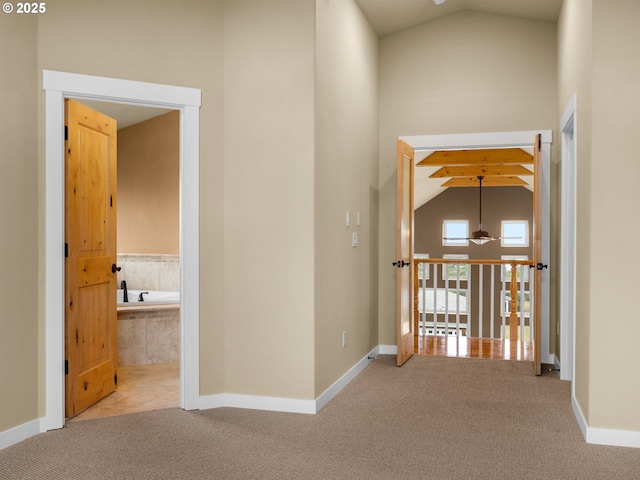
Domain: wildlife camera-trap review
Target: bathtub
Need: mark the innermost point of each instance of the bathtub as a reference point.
(154, 297)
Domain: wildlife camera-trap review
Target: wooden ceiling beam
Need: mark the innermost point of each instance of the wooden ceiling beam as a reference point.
(487, 156)
(497, 181)
(484, 170)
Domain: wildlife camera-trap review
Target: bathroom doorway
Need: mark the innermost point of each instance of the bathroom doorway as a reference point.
(60, 85)
(148, 256)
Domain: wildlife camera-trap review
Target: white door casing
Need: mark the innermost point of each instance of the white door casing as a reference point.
(568, 172)
(58, 86)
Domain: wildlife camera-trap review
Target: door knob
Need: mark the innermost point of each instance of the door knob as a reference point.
(115, 268)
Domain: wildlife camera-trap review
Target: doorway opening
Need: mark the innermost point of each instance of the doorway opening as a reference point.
(148, 279)
(58, 86)
(424, 146)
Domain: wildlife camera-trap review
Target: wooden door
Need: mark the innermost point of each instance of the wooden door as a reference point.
(537, 254)
(90, 264)
(404, 260)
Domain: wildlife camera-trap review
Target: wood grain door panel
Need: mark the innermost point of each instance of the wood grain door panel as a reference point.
(90, 233)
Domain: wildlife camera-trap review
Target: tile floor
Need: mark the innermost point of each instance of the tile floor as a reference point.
(140, 388)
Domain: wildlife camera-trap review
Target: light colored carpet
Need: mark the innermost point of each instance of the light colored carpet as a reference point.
(434, 418)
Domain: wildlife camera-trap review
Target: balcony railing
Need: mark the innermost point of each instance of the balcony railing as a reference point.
(474, 298)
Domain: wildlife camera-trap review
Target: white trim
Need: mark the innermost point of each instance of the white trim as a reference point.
(257, 402)
(343, 381)
(569, 111)
(388, 349)
(476, 140)
(290, 405)
(614, 438)
(568, 207)
(577, 411)
(18, 434)
(604, 436)
(58, 86)
(519, 139)
(556, 364)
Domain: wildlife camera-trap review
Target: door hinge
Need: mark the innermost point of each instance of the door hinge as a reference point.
(66, 250)
(111, 201)
(115, 379)
(539, 142)
(66, 367)
(66, 132)
(540, 266)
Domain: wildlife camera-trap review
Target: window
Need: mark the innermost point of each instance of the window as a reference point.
(515, 233)
(423, 268)
(522, 272)
(455, 233)
(451, 269)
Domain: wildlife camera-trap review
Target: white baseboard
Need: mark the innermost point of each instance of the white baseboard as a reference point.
(257, 402)
(388, 349)
(577, 411)
(604, 436)
(343, 381)
(290, 405)
(556, 363)
(17, 434)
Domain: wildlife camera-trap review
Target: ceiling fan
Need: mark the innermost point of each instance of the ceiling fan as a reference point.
(480, 237)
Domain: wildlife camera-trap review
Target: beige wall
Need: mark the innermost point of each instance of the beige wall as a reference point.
(171, 43)
(346, 179)
(269, 197)
(273, 129)
(19, 220)
(464, 73)
(614, 382)
(149, 186)
(574, 75)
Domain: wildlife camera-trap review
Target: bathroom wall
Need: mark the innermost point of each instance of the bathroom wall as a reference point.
(150, 272)
(149, 186)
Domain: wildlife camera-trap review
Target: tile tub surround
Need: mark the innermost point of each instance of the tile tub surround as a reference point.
(150, 272)
(148, 335)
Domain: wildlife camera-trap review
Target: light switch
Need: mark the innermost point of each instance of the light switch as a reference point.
(354, 239)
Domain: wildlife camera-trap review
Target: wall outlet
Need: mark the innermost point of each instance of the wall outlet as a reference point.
(344, 339)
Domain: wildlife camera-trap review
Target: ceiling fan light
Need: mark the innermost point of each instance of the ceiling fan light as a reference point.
(480, 241)
(480, 237)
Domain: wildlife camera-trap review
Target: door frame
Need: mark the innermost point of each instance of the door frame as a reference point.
(60, 85)
(568, 198)
(517, 139)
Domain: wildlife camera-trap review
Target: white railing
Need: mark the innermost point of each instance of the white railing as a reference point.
(473, 298)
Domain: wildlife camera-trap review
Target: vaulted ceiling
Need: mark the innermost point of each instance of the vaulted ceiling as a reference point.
(391, 16)
(436, 171)
(461, 168)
